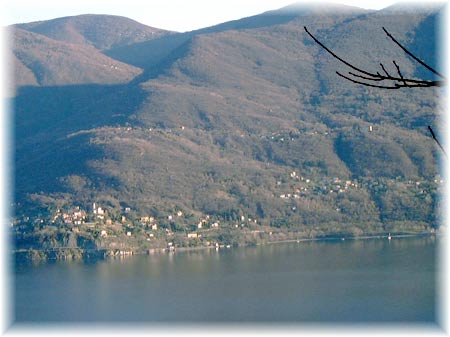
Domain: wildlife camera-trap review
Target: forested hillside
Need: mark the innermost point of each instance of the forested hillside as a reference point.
(238, 130)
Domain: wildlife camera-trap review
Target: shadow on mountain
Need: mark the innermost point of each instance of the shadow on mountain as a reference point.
(149, 54)
(46, 117)
(426, 41)
(271, 18)
(162, 62)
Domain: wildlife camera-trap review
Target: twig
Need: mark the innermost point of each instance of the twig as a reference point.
(437, 142)
(399, 81)
(412, 55)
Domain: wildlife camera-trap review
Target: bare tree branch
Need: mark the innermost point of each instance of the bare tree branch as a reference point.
(412, 55)
(435, 139)
(400, 73)
(386, 80)
(394, 86)
(384, 69)
(378, 80)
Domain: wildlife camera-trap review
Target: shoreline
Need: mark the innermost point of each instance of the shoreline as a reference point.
(362, 237)
(75, 253)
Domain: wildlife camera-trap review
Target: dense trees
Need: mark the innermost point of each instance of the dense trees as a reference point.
(386, 79)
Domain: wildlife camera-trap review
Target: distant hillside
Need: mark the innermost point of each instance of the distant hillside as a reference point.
(101, 31)
(70, 50)
(152, 53)
(244, 119)
(48, 62)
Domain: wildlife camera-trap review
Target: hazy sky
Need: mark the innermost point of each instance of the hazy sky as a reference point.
(177, 15)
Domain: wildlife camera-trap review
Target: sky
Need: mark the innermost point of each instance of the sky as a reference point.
(175, 15)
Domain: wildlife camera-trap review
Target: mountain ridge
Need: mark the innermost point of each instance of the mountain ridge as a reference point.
(101, 31)
(236, 123)
(54, 62)
(269, 18)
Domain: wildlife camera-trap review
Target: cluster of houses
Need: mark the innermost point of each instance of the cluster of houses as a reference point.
(307, 186)
(149, 222)
(289, 135)
(203, 224)
(340, 186)
(299, 186)
(98, 211)
(75, 216)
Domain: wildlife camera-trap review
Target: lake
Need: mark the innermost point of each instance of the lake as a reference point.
(347, 281)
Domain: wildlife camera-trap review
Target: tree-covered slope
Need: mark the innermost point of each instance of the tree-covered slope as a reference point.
(243, 120)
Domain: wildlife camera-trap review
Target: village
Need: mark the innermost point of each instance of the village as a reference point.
(299, 186)
(305, 186)
(125, 232)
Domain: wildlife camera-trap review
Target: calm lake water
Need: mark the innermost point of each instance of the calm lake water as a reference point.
(340, 281)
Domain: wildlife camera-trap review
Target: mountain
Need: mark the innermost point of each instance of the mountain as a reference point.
(69, 50)
(44, 61)
(243, 120)
(148, 54)
(100, 31)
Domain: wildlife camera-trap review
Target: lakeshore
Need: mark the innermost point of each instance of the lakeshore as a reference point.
(74, 253)
(368, 280)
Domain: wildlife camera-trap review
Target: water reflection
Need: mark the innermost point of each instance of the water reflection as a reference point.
(349, 281)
